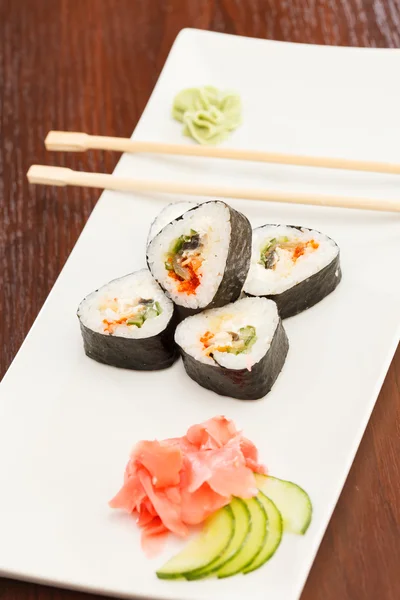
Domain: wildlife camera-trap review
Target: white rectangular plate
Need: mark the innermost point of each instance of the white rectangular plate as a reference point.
(67, 424)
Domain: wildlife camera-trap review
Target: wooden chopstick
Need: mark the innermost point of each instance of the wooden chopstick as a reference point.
(61, 176)
(70, 141)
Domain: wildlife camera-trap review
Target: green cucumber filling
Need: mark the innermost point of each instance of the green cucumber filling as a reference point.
(230, 341)
(269, 255)
(180, 247)
(184, 260)
(243, 340)
(135, 313)
(146, 309)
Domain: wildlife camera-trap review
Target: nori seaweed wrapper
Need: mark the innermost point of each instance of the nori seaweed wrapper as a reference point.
(146, 354)
(242, 383)
(308, 292)
(236, 267)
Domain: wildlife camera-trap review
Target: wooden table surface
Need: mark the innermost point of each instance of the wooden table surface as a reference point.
(90, 65)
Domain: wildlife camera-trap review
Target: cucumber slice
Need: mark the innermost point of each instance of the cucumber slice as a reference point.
(209, 545)
(254, 541)
(291, 500)
(274, 534)
(242, 528)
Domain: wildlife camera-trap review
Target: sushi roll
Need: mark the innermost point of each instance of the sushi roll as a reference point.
(169, 213)
(129, 323)
(201, 259)
(238, 350)
(294, 266)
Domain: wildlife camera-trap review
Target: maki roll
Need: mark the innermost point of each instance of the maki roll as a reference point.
(169, 213)
(201, 259)
(129, 323)
(238, 350)
(294, 266)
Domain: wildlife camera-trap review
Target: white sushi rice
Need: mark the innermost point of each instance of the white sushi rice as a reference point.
(211, 220)
(286, 273)
(168, 214)
(118, 298)
(260, 313)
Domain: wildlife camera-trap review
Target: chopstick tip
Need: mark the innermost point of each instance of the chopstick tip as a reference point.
(66, 141)
(48, 175)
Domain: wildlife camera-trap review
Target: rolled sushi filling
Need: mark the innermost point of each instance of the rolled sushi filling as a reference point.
(184, 261)
(234, 342)
(133, 306)
(283, 256)
(188, 256)
(279, 251)
(235, 336)
(128, 312)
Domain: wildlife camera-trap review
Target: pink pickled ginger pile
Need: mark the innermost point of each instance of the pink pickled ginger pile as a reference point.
(174, 483)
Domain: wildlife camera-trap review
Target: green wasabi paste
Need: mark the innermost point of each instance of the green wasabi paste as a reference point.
(207, 114)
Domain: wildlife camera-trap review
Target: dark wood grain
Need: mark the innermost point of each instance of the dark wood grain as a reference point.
(90, 65)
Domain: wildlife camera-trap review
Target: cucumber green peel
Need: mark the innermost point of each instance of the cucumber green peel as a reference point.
(292, 501)
(254, 542)
(274, 534)
(244, 535)
(242, 517)
(208, 546)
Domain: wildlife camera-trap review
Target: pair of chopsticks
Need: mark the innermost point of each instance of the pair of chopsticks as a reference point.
(62, 141)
